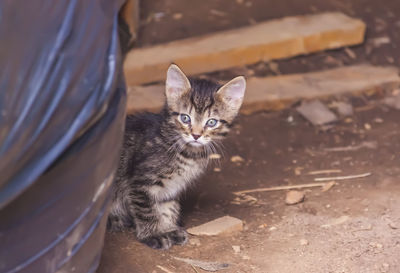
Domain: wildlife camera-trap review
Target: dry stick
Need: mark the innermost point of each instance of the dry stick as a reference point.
(309, 185)
(280, 188)
(324, 172)
(164, 269)
(320, 179)
(365, 144)
(194, 268)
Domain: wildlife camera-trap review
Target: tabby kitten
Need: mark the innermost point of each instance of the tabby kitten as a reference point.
(164, 153)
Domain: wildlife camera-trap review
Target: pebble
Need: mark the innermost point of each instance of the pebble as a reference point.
(344, 109)
(316, 112)
(225, 224)
(393, 101)
(237, 159)
(272, 228)
(214, 156)
(328, 186)
(303, 242)
(376, 245)
(294, 197)
(262, 226)
(236, 249)
(377, 42)
(177, 16)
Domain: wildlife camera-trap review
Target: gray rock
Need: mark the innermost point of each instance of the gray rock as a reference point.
(316, 112)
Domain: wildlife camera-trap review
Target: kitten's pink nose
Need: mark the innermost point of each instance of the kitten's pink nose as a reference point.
(196, 137)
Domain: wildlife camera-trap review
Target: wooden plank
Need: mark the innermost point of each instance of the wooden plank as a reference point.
(281, 38)
(276, 93)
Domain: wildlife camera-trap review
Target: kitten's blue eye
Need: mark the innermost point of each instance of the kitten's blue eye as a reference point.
(211, 122)
(185, 118)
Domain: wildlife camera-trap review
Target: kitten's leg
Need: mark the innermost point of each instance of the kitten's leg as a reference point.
(169, 213)
(157, 225)
(119, 217)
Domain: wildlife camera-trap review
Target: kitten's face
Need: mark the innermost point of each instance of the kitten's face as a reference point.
(202, 110)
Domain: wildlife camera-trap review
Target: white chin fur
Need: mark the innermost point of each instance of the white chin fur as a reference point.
(196, 144)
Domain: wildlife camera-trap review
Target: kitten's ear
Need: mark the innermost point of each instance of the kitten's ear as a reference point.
(232, 93)
(177, 83)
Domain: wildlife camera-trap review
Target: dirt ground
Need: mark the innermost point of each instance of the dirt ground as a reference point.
(354, 226)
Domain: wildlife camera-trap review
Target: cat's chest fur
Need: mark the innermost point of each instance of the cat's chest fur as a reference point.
(185, 171)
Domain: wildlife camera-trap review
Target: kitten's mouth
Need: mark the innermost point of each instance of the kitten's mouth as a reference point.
(195, 143)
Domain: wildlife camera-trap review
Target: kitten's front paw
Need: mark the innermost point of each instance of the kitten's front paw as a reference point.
(157, 242)
(178, 237)
(166, 240)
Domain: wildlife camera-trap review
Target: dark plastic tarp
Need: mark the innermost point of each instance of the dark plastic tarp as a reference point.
(62, 101)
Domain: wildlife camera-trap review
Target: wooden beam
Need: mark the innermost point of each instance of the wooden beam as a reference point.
(276, 93)
(276, 39)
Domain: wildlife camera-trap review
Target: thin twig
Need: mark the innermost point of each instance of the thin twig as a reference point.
(365, 144)
(333, 178)
(194, 268)
(324, 172)
(164, 269)
(280, 188)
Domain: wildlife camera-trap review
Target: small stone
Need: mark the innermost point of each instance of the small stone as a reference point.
(158, 16)
(262, 226)
(393, 101)
(217, 170)
(177, 16)
(214, 156)
(328, 186)
(236, 249)
(344, 109)
(367, 126)
(348, 120)
(393, 225)
(303, 242)
(245, 257)
(194, 242)
(294, 197)
(316, 112)
(225, 224)
(378, 42)
(378, 120)
(237, 159)
(297, 170)
(272, 229)
(239, 1)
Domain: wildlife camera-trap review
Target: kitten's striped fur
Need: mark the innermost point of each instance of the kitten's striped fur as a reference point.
(161, 157)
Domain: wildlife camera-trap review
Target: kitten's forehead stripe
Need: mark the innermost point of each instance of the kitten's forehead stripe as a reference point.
(202, 94)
